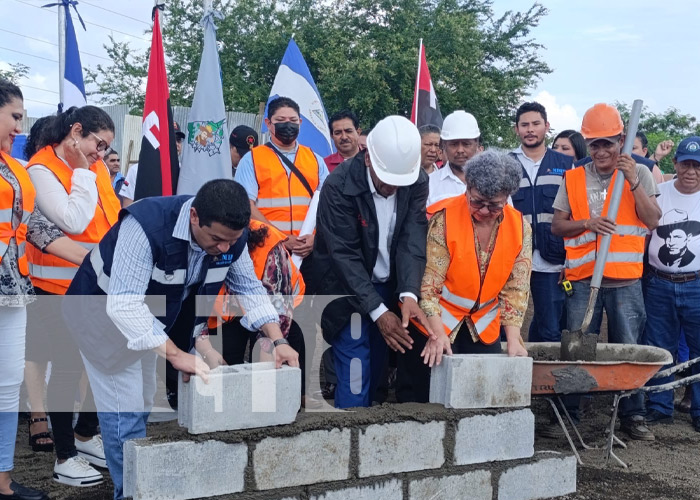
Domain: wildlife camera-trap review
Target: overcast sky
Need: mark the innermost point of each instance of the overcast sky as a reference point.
(600, 50)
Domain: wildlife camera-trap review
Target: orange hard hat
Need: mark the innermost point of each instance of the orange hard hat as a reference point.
(602, 120)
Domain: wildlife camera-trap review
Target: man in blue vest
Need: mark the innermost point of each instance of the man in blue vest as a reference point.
(179, 249)
(543, 172)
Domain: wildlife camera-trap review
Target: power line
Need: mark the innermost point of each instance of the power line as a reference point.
(115, 12)
(30, 55)
(53, 44)
(37, 88)
(41, 102)
(88, 22)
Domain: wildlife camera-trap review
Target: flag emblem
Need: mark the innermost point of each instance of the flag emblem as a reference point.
(206, 136)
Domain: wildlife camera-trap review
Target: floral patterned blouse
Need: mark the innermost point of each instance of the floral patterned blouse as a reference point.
(16, 290)
(513, 298)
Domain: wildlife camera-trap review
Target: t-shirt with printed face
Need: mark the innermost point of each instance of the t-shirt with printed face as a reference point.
(675, 245)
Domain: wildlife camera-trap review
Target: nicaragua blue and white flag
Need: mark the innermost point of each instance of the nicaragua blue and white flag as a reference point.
(205, 154)
(294, 80)
(72, 81)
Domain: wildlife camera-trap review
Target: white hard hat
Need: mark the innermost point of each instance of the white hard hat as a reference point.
(459, 125)
(394, 147)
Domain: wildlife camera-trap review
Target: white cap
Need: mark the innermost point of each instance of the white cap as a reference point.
(394, 148)
(459, 125)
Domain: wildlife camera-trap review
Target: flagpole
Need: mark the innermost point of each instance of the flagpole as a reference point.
(207, 6)
(415, 111)
(61, 51)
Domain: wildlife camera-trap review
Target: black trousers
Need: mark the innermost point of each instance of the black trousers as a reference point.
(66, 371)
(413, 376)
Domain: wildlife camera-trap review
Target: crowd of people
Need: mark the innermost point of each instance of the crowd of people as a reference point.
(430, 243)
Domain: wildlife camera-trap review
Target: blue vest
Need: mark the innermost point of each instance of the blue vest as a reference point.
(535, 198)
(639, 159)
(85, 305)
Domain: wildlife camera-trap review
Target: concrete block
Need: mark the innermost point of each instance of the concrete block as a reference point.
(401, 447)
(389, 490)
(240, 397)
(549, 476)
(487, 438)
(307, 458)
(481, 381)
(183, 469)
(475, 485)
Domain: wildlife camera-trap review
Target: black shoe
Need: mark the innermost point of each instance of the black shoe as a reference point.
(654, 417)
(171, 396)
(635, 427)
(328, 391)
(696, 424)
(23, 493)
(552, 430)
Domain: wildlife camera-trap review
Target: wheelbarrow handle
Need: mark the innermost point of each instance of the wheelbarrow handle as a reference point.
(676, 368)
(671, 385)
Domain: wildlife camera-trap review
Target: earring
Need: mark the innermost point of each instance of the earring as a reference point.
(75, 143)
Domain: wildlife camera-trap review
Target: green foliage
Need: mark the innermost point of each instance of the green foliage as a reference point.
(361, 53)
(16, 72)
(658, 127)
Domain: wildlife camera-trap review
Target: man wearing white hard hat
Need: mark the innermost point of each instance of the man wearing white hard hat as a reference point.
(461, 139)
(370, 249)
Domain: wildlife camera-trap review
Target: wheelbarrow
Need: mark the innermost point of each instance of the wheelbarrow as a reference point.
(619, 369)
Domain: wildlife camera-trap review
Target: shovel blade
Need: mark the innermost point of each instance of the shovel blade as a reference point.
(578, 346)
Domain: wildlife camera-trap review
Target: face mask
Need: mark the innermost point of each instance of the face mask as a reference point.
(287, 132)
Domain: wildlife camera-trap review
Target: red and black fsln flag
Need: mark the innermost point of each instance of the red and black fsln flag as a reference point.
(158, 164)
(426, 110)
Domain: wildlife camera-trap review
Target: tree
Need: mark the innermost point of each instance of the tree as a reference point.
(671, 124)
(16, 72)
(361, 53)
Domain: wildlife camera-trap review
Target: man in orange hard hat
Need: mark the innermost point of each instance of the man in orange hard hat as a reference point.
(580, 216)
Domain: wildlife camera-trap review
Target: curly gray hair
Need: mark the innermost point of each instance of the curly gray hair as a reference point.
(493, 172)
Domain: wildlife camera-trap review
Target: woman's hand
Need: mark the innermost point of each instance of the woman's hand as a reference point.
(434, 349)
(74, 156)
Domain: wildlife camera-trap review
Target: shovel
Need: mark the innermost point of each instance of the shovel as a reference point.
(579, 345)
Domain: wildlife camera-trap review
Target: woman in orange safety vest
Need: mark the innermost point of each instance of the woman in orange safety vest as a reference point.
(477, 275)
(74, 191)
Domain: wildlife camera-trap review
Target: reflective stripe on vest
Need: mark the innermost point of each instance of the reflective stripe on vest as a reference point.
(626, 253)
(98, 266)
(282, 198)
(463, 286)
(51, 272)
(7, 199)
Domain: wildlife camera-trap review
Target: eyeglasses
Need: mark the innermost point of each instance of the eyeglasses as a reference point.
(494, 208)
(102, 145)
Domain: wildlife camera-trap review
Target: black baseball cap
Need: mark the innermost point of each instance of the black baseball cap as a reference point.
(243, 137)
(179, 134)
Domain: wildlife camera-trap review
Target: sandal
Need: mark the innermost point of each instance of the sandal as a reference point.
(33, 438)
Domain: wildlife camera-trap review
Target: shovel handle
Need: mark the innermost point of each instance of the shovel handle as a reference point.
(616, 195)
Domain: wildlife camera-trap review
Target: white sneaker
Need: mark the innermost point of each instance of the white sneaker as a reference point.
(76, 471)
(93, 451)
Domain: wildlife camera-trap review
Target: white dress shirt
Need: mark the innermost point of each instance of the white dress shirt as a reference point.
(71, 212)
(539, 265)
(443, 184)
(386, 220)
(128, 189)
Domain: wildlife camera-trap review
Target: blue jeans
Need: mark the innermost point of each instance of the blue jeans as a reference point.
(624, 308)
(359, 358)
(124, 401)
(672, 307)
(549, 301)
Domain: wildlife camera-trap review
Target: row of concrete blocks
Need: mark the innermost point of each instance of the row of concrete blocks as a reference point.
(186, 469)
(258, 395)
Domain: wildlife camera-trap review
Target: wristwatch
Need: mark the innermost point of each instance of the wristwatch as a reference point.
(280, 342)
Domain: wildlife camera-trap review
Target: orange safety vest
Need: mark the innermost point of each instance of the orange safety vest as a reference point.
(626, 254)
(463, 295)
(282, 198)
(259, 256)
(7, 201)
(54, 274)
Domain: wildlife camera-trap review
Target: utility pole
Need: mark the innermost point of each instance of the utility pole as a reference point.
(207, 6)
(61, 50)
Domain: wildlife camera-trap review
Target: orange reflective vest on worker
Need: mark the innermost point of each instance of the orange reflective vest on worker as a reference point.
(259, 255)
(282, 198)
(464, 296)
(626, 254)
(7, 200)
(53, 274)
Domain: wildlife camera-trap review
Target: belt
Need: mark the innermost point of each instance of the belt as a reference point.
(675, 277)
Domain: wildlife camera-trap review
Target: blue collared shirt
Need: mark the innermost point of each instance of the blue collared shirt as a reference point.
(131, 272)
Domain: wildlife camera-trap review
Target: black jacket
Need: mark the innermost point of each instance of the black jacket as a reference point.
(346, 244)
